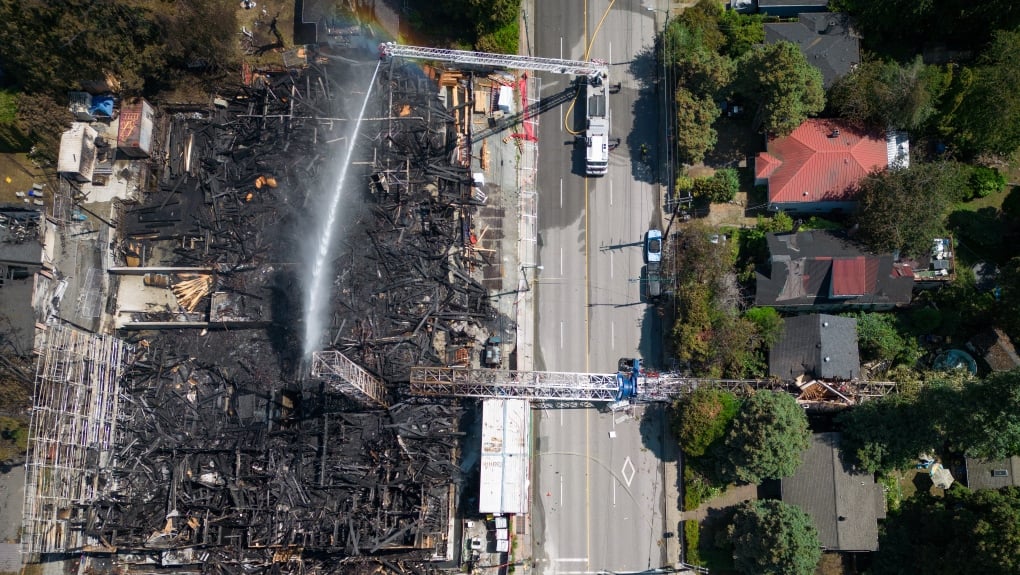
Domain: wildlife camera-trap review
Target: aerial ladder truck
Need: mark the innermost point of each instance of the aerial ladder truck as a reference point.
(632, 383)
(592, 74)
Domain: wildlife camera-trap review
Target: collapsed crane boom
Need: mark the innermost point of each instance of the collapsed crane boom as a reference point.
(512, 61)
(632, 383)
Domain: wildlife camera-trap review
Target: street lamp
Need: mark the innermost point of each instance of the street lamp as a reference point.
(527, 286)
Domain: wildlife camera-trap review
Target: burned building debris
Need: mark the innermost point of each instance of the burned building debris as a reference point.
(207, 447)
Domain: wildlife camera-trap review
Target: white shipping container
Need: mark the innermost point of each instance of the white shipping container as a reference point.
(77, 157)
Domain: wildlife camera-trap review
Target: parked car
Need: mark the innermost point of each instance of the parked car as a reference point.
(653, 246)
(653, 281)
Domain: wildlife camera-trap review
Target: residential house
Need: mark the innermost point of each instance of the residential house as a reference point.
(20, 259)
(826, 39)
(845, 505)
(816, 168)
(816, 346)
(823, 271)
(992, 474)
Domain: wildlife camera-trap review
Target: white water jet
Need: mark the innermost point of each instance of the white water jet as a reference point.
(317, 294)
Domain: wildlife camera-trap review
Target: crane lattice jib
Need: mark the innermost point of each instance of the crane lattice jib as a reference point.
(512, 61)
(492, 383)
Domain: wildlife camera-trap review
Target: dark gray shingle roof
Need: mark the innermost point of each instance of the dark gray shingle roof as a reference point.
(822, 346)
(825, 38)
(801, 274)
(980, 473)
(844, 506)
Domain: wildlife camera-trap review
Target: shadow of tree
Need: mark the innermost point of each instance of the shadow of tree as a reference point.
(645, 130)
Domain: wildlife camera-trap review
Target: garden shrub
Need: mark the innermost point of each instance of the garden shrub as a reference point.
(986, 181)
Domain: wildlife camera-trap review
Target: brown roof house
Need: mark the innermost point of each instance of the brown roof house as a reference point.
(992, 474)
(816, 346)
(844, 505)
(823, 271)
(995, 347)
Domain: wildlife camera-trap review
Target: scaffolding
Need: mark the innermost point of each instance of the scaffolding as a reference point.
(71, 435)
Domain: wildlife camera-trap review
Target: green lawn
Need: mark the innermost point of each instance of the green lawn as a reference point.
(980, 229)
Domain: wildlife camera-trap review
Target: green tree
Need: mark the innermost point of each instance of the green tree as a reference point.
(784, 86)
(986, 181)
(897, 27)
(903, 209)
(963, 532)
(694, 133)
(976, 417)
(700, 69)
(988, 118)
(770, 537)
(985, 418)
(720, 188)
(703, 17)
(50, 47)
(878, 335)
(766, 439)
(887, 433)
(701, 418)
(691, 330)
(742, 31)
(768, 323)
(885, 94)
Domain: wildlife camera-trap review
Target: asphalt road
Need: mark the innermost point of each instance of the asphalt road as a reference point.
(597, 476)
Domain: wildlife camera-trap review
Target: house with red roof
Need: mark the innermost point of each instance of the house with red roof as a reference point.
(816, 168)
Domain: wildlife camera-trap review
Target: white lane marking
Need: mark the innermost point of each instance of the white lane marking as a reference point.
(572, 560)
(612, 334)
(611, 265)
(561, 262)
(561, 335)
(561, 417)
(610, 60)
(561, 492)
(561, 47)
(614, 491)
(610, 192)
(561, 193)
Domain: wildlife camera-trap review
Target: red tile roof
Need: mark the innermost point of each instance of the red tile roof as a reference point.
(810, 165)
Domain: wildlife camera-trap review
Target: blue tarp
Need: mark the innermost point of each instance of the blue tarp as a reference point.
(102, 106)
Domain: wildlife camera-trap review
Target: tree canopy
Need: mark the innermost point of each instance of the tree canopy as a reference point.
(694, 132)
(980, 418)
(766, 439)
(770, 537)
(701, 418)
(963, 532)
(886, 94)
(904, 24)
(903, 209)
(785, 88)
(51, 46)
(988, 117)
